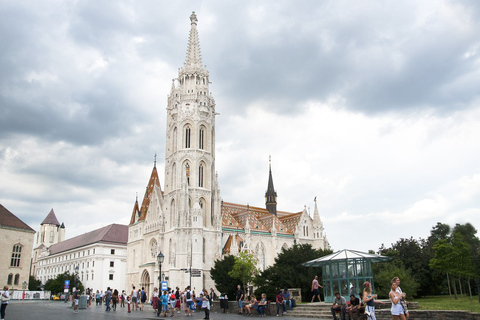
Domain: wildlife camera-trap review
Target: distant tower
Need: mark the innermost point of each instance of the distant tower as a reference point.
(51, 232)
(271, 194)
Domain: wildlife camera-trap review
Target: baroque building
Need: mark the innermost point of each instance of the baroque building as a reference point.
(98, 258)
(188, 221)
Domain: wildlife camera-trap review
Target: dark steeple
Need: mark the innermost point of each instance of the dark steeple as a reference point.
(271, 194)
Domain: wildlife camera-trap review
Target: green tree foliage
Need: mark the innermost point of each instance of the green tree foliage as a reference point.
(33, 284)
(56, 285)
(385, 274)
(223, 281)
(244, 268)
(287, 272)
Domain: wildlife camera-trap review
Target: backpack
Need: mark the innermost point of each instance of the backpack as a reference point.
(189, 296)
(172, 296)
(143, 296)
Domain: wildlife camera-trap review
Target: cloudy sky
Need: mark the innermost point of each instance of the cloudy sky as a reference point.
(373, 107)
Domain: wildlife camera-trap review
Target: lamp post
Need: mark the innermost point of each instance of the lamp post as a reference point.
(75, 276)
(160, 258)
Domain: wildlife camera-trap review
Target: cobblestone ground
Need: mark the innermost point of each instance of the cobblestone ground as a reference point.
(56, 310)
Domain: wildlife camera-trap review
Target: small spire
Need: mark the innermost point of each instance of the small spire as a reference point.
(155, 160)
(136, 197)
(194, 57)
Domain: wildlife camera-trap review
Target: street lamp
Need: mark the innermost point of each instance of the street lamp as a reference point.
(160, 259)
(76, 275)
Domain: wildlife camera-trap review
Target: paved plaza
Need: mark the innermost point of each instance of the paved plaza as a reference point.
(56, 310)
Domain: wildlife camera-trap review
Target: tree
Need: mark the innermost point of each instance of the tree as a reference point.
(33, 284)
(220, 274)
(288, 272)
(244, 268)
(385, 274)
(56, 285)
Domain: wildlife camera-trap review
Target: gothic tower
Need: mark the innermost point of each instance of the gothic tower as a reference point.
(271, 194)
(191, 193)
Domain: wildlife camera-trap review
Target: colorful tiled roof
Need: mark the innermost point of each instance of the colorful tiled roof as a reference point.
(11, 221)
(51, 219)
(154, 181)
(111, 234)
(235, 216)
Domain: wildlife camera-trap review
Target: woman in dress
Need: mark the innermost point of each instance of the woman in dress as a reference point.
(369, 300)
(155, 300)
(395, 297)
(206, 304)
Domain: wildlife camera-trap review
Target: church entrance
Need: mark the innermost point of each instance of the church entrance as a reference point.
(145, 283)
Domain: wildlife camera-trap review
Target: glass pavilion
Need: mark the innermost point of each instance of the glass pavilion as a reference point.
(345, 272)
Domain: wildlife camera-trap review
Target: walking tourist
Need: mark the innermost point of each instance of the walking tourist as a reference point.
(5, 298)
(369, 301)
(396, 309)
(75, 297)
(134, 296)
(316, 292)
(403, 301)
(114, 299)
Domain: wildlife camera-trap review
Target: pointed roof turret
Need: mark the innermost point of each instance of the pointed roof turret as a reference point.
(194, 58)
(51, 219)
(271, 194)
(316, 216)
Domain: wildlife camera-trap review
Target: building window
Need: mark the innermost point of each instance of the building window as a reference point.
(93, 263)
(93, 251)
(201, 138)
(200, 176)
(51, 236)
(17, 279)
(16, 254)
(92, 276)
(112, 251)
(110, 276)
(112, 263)
(10, 278)
(187, 137)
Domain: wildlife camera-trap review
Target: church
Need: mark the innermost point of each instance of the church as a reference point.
(188, 221)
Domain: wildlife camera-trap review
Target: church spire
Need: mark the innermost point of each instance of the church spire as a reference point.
(194, 58)
(271, 194)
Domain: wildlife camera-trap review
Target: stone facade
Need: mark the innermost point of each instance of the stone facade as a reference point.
(187, 221)
(16, 238)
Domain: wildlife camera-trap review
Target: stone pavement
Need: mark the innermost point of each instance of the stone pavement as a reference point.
(58, 310)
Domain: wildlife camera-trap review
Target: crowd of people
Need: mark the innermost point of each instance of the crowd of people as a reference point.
(247, 303)
(166, 302)
(398, 310)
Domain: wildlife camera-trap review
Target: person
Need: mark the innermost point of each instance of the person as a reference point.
(134, 299)
(369, 301)
(316, 292)
(262, 304)
(164, 302)
(122, 299)
(287, 299)
(75, 297)
(188, 301)
(213, 295)
(206, 304)
(155, 300)
(403, 301)
(339, 303)
(353, 307)
(173, 301)
(114, 299)
(253, 304)
(97, 298)
(143, 298)
(279, 302)
(396, 310)
(239, 298)
(177, 299)
(5, 298)
(108, 297)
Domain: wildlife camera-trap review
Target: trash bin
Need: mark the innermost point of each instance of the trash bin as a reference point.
(82, 303)
(223, 303)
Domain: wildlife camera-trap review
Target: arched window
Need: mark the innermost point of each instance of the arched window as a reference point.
(201, 136)
(187, 136)
(16, 254)
(200, 176)
(17, 279)
(10, 279)
(174, 139)
(174, 176)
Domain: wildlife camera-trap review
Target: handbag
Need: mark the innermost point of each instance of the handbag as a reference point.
(5, 299)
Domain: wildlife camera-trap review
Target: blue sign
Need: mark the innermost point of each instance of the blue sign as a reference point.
(164, 285)
(67, 282)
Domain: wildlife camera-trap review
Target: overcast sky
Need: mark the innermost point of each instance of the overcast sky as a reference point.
(373, 107)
